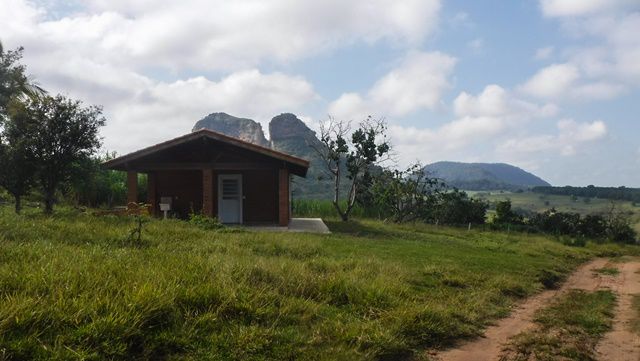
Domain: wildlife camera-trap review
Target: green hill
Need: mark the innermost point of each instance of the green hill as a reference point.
(483, 176)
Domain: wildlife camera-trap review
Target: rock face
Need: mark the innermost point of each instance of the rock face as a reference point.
(289, 134)
(241, 128)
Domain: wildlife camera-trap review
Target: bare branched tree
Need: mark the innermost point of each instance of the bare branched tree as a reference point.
(350, 156)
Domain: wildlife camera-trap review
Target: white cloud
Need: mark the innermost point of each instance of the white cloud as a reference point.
(165, 107)
(157, 110)
(544, 53)
(571, 135)
(481, 119)
(552, 81)
(228, 35)
(604, 69)
(494, 101)
(418, 82)
(566, 8)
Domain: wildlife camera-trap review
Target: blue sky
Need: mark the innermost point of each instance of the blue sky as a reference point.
(548, 85)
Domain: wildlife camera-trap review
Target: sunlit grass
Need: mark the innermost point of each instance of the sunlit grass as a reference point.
(71, 288)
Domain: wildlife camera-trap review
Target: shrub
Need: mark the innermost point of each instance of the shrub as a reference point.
(204, 222)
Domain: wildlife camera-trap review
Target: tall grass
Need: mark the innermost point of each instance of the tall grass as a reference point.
(322, 208)
(71, 288)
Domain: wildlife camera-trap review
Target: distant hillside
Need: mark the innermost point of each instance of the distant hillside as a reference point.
(483, 176)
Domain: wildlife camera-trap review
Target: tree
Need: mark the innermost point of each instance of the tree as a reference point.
(14, 83)
(455, 207)
(17, 165)
(16, 160)
(60, 132)
(351, 159)
(505, 215)
(404, 195)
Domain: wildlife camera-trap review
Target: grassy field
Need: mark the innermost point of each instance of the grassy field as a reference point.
(536, 202)
(72, 287)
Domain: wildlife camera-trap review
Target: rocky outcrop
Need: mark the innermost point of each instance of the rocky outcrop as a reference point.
(241, 128)
(290, 134)
(287, 125)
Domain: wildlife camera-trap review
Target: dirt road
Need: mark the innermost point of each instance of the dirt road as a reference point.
(620, 344)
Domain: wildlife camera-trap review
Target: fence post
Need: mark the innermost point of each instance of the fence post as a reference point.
(469, 229)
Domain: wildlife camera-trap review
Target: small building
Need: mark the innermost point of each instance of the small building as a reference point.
(219, 176)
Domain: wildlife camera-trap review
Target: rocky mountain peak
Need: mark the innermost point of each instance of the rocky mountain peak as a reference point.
(287, 125)
(241, 128)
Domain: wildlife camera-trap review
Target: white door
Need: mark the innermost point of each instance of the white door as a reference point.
(230, 198)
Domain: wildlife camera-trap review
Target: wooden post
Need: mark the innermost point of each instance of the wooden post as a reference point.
(283, 197)
(132, 187)
(207, 192)
(151, 193)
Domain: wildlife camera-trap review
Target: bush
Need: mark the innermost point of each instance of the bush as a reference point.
(204, 222)
(504, 214)
(457, 207)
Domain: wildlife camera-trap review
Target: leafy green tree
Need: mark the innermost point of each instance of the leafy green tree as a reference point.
(14, 82)
(16, 164)
(456, 208)
(60, 132)
(404, 195)
(505, 215)
(92, 185)
(16, 158)
(354, 153)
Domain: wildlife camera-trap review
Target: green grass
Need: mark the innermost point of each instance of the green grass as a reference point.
(569, 329)
(608, 271)
(324, 208)
(72, 287)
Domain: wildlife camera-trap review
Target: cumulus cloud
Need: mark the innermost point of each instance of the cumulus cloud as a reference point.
(132, 57)
(565, 8)
(604, 69)
(480, 119)
(495, 101)
(228, 35)
(165, 107)
(552, 81)
(156, 110)
(418, 82)
(570, 136)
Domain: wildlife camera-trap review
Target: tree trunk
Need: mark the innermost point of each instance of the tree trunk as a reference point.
(18, 203)
(48, 202)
